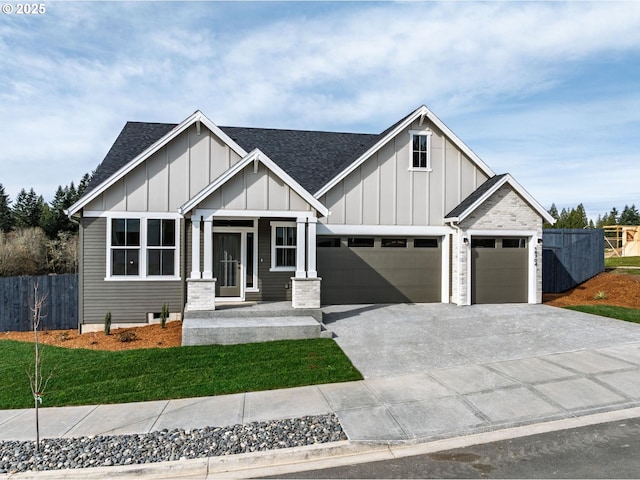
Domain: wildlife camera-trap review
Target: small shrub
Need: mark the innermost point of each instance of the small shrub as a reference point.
(107, 323)
(63, 336)
(127, 336)
(164, 314)
(601, 295)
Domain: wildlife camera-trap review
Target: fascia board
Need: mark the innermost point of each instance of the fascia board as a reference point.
(377, 146)
(532, 201)
(196, 116)
(267, 162)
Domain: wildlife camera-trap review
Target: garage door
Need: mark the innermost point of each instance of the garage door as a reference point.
(379, 270)
(499, 270)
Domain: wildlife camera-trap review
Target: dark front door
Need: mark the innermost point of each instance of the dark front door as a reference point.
(226, 260)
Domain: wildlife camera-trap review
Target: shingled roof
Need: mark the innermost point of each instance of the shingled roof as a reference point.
(312, 158)
(476, 195)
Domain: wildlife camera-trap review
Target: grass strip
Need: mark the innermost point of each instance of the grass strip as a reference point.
(86, 377)
(613, 262)
(621, 313)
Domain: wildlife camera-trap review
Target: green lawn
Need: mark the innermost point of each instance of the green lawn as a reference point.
(613, 262)
(621, 313)
(84, 377)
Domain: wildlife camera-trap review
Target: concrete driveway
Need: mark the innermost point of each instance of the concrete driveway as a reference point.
(391, 340)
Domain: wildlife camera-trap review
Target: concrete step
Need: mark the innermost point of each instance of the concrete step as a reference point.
(255, 312)
(234, 330)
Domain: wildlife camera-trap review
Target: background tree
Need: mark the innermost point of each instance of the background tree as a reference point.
(27, 210)
(629, 216)
(6, 216)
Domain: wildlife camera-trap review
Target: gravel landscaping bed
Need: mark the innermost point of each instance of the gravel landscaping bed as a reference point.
(164, 445)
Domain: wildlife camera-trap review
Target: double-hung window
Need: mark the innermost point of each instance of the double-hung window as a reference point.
(283, 246)
(125, 246)
(420, 150)
(142, 248)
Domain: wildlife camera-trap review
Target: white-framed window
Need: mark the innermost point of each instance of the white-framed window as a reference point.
(143, 247)
(420, 150)
(283, 246)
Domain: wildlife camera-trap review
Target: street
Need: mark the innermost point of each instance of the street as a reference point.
(609, 450)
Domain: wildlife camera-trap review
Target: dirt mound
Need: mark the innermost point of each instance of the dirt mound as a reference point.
(608, 288)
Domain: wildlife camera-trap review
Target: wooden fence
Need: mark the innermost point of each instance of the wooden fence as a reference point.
(60, 310)
(570, 257)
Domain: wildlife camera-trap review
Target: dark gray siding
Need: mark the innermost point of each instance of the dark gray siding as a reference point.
(128, 301)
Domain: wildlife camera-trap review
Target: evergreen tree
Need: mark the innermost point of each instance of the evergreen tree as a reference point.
(6, 217)
(629, 216)
(27, 210)
(553, 211)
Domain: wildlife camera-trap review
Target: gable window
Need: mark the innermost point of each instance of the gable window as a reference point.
(420, 150)
(142, 248)
(283, 246)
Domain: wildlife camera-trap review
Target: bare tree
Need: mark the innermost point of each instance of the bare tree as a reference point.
(37, 380)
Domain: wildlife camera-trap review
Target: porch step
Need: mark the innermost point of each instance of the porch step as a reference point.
(255, 311)
(228, 330)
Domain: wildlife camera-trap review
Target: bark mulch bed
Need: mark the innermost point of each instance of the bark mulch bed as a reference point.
(608, 288)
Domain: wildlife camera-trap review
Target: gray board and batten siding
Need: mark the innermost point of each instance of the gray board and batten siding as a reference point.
(60, 308)
(384, 190)
(129, 301)
(570, 257)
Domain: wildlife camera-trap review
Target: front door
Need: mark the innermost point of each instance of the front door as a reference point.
(226, 260)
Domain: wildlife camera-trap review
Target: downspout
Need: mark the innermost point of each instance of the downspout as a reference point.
(453, 224)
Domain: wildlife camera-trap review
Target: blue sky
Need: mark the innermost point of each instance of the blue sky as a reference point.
(547, 91)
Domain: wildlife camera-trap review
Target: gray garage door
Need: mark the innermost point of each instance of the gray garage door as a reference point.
(379, 270)
(499, 272)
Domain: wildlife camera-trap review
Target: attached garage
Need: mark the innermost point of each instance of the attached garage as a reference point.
(379, 269)
(499, 270)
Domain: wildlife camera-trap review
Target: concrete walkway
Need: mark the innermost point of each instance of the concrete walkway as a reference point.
(431, 372)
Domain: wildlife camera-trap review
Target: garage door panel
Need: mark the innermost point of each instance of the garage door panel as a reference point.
(499, 275)
(379, 275)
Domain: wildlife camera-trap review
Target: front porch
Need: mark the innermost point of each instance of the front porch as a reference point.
(249, 322)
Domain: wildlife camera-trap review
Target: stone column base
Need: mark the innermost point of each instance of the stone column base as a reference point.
(201, 294)
(305, 292)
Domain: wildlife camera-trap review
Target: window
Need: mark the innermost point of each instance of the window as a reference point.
(161, 243)
(425, 243)
(250, 261)
(420, 150)
(360, 242)
(142, 248)
(328, 242)
(125, 246)
(283, 252)
(394, 242)
(514, 243)
(483, 242)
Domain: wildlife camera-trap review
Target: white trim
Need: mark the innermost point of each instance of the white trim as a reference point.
(130, 214)
(420, 133)
(274, 225)
(312, 271)
(243, 231)
(207, 266)
(519, 189)
(423, 111)
(532, 245)
(444, 276)
(382, 230)
(143, 248)
(209, 213)
(254, 155)
(195, 248)
(301, 247)
(197, 116)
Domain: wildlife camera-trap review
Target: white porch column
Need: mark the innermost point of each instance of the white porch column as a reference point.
(195, 247)
(311, 249)
(301, 271)
(208, 249)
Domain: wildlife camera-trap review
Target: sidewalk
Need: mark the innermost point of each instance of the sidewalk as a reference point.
(401, 409)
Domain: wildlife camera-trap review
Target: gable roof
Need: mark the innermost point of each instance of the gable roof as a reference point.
(391, 132)
(488, 188)
(254, 156)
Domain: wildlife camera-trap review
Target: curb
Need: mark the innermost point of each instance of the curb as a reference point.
(313, 457)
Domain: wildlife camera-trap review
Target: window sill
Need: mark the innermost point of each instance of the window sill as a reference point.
(142, 279)
(415, 169)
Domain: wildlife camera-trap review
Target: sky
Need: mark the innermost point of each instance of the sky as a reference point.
(547, 91)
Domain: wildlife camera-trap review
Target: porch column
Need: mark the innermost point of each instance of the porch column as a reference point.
(311, 249)
(208, 249)
(195, 247)
(301, 271)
